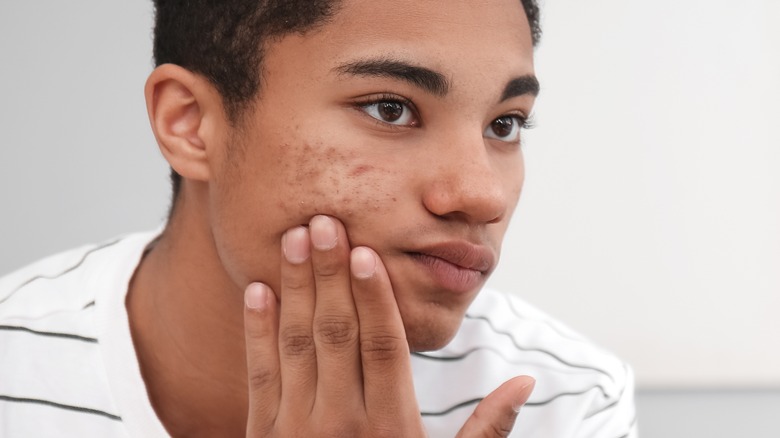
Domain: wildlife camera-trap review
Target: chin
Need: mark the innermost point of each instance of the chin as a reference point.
(431, 315)
(428, 332)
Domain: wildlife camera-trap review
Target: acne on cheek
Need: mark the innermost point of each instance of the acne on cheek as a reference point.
(362, 189)
(331, 181)
(300, 165)
(360, 170)
(301, 171)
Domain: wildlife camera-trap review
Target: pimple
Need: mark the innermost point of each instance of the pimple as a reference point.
(360, 170)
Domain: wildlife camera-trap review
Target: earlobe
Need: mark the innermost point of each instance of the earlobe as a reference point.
(179, 104)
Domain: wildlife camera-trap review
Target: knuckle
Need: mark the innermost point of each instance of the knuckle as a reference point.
(495, 428)
(296, 342)
(330, 268)
(260, 380)
(381, 348)
(500, 430)
(337, 333)
(295, 283)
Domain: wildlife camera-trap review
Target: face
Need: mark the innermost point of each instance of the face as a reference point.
(402, 120)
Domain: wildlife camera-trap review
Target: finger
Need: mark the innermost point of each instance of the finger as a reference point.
(495, 415)
(339, 381)
(260, 332)
(296, 343)
(387, 373)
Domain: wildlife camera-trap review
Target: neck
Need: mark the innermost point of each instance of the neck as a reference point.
(186, 322)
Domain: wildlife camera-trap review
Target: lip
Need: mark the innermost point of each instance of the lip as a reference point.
(456, 266)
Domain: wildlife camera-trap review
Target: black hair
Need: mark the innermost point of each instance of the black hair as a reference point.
(223, 41)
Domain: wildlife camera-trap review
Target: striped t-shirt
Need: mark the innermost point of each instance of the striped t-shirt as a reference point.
(68, 366)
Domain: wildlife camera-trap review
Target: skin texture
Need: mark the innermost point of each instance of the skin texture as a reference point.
(310, 147)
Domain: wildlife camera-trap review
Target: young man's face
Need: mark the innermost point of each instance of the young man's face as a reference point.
(398, 118)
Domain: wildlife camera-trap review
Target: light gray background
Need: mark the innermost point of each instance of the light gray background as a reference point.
(650, 220)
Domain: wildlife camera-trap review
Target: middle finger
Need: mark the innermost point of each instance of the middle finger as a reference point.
(336, 328)
(297, 354)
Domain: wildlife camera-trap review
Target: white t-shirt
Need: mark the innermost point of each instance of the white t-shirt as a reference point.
(68, 366)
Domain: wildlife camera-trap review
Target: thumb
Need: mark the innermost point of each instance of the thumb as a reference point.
(495, 415)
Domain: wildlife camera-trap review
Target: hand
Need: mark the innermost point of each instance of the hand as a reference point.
(333, 359)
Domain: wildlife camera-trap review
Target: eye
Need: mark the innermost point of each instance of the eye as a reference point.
(505, 128)
(391, 111)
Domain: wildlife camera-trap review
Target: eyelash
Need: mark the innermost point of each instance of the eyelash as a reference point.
(526, 122)
(391, 98)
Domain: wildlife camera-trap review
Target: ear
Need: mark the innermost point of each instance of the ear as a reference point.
(186, 115)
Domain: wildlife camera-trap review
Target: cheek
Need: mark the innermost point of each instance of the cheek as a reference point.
(514, 179)
(345, 185)
(296, 183)
(369, 190)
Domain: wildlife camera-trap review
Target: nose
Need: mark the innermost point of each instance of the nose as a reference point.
(469, 184)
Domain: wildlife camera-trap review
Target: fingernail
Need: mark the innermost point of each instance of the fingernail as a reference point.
(523, 394)
(295, 245)
(256, 296)
(323, 232)
(362, 263)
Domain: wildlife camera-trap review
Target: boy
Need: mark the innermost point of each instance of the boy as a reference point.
(344, 173)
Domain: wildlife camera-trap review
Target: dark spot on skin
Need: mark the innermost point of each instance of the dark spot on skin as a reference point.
(360, 170)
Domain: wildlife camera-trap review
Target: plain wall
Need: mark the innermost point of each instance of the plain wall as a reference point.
(649, 221)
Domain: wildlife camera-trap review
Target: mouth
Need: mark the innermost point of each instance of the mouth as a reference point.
(457, 266)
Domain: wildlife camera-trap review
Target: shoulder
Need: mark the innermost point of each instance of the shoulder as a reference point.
(55, 282)
(579, 384)
(51, 340)
(69, 281)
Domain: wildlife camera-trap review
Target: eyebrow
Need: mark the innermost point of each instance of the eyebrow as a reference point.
(421, 77)
(427, 79)
(521, 86)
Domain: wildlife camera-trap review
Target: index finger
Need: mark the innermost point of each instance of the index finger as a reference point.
(263, 372)
(387, 372)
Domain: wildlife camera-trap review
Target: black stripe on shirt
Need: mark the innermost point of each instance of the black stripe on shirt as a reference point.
(459, 357)
(499, 353)
(450, 409)
(564, 394)
(529, 404)
(539, 350)
(52, 334)
(61, 406)
(52, 277)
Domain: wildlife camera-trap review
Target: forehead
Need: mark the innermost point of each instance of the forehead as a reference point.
(420, 17)
(460, 25)
(455, 37)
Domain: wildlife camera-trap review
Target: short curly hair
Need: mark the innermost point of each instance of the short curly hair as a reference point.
(222, 40)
